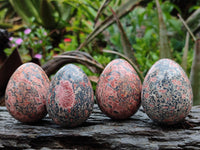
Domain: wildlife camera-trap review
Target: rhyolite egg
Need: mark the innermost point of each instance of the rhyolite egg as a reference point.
(118, 90)
(26, 93)
(166, 93)
(70, 97)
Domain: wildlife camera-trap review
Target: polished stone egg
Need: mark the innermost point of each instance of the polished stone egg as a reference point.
(70, 97)
(166, 93)
(118, 90)
(26, 93)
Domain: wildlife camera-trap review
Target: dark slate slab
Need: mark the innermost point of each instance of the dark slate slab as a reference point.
(100, 132)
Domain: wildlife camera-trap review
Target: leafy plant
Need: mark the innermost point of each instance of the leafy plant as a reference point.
(142, 30)
(49, 14)
(123, 9)
(7, 8)
(32, 42)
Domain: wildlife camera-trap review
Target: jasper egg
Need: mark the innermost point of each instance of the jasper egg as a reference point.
(70, 97)
(118, 90)
(166, 93)
(26, 93)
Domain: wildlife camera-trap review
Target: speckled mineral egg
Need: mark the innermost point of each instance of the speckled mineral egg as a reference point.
(70, 97)
(118, 90)
(26, 92)
(166, 93)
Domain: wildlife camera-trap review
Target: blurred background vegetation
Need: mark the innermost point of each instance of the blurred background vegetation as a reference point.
(43, 29)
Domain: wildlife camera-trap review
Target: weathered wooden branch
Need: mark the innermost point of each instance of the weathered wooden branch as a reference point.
(187, 27)
(195, 73)
(185, 52)
(165, 51)
(100, 132)
(127, 47)
(72, 57)
(194, 21)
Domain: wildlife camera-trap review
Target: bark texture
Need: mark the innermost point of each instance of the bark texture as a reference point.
(100, 132)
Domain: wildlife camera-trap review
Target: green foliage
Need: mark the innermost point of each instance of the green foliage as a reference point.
(69, 43)
(147, 52)
(2, 15)
(103, 59)
(26, 9)
(74, 20)
(35, 39)
(89, 74)
(189, 61)
(7, 9)
(49, 14)
(142, 30)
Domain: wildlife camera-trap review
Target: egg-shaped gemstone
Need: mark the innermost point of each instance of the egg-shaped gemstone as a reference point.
(70, 97)
(166, 93)
(118, 90)
(26, 93)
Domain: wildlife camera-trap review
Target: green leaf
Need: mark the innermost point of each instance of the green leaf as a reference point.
(64, 10)
(25, 9)
(121, 11)
(103, 6)
(127, 48)
(175, 24)
(47, 14)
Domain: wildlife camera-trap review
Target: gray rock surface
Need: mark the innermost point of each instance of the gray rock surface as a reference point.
(100, 132)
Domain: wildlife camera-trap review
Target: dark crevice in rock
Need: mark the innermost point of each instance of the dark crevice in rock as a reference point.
(68, 142)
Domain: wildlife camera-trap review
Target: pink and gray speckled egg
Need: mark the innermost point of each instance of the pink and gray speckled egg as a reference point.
(118, 90)
(166, 93)
(26, 92)
(70, 97)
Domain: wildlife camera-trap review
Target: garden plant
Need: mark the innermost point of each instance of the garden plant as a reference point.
(92, 33)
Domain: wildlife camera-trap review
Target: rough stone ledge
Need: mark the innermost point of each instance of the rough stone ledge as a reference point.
(100, 132)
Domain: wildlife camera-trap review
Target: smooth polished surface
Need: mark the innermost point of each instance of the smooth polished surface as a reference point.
(166, 92)
(118, 91)
(70, 97)
(26, 93)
